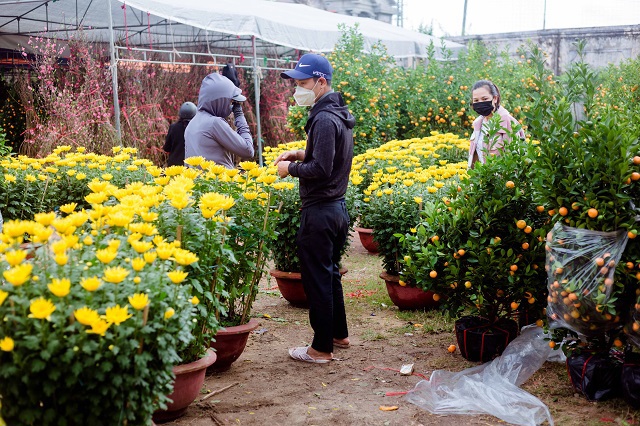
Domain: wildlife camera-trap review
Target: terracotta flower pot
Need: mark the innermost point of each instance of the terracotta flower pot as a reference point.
(290, 285)
(366, 238)
(230, 343)
(407, 298)
(186, 387)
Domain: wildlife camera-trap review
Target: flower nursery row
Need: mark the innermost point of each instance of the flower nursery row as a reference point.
(132, 271)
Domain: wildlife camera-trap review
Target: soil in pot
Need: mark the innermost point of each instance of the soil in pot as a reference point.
(407, 298)
(230, 343)
(186, 387)
(366, 238)
(481, 340)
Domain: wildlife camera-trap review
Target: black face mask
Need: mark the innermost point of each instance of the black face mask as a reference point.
(483, 108)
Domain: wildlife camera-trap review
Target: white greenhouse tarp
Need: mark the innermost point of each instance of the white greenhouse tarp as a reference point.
(223, 24)
(285, 24)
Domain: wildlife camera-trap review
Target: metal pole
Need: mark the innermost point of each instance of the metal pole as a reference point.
(114, 75)
(544, 16)
(464, 17)
(256, 89)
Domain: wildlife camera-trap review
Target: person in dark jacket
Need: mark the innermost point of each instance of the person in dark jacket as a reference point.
(323, 169)
(174, 142)
(208, 134)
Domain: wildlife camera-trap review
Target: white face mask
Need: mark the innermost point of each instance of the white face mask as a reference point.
(305, 97)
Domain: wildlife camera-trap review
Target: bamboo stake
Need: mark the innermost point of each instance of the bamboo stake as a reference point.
(216, 392)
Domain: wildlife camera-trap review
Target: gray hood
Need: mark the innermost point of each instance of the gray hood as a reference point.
(215, 95)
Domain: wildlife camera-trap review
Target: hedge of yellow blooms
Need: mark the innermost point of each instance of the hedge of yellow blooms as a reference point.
(128, 237)
(390, 184)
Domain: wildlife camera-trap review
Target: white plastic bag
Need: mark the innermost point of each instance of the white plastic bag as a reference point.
(491, 388)
(583, 294)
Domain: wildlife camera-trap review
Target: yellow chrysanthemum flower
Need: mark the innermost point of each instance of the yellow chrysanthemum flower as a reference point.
(19, 274)
(120, 218)
(169, 313)
(15, 257)
(61, 259)
(180, 201)
(194, 300)
(138, 264)
(68, 208)
(177, 276)
(418, 200)
(91, 284)
(106, 255)
(99, 327)
(96, 198)
(44, 218)
(248, 165)
(269, 179)
(143, 228)
(250, 195)
(41, 308)
(141, 246)
(164, 250)
(149, 216)
(7, 344)
(115, 274)
(162, 180)
(173, 170)
(97, 185)
(60, 287)
(117, 314)
(86, 316)
(3, 296)
(150, 257)
(184, 257)
(194, 161)
(87, 241)
(139, 301)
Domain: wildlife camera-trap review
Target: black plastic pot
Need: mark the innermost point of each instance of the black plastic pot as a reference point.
(481, 340)
(630, 380)
(595, 375)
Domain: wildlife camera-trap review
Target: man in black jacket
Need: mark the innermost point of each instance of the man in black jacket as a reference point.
(174, 142)
(323, 169)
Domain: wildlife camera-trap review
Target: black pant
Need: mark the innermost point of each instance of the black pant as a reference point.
(322, 235)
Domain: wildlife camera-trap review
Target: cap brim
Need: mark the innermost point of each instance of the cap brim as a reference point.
(239, 98)
(295, 74)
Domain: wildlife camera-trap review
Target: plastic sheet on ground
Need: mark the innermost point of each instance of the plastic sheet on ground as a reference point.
(491, 388)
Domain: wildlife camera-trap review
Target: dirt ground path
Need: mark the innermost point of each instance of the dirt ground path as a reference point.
(268, 388)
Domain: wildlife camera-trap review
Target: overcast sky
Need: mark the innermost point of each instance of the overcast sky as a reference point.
(496, 16)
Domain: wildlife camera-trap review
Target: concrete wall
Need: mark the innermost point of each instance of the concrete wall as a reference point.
(605, 45)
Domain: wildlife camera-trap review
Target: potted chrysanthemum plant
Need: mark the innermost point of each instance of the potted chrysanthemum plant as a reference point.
(92, 319)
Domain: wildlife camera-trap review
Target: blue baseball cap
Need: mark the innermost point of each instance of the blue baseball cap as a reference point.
(309, 66)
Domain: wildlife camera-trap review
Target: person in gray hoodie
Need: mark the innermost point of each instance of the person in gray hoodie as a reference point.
(208, 134)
